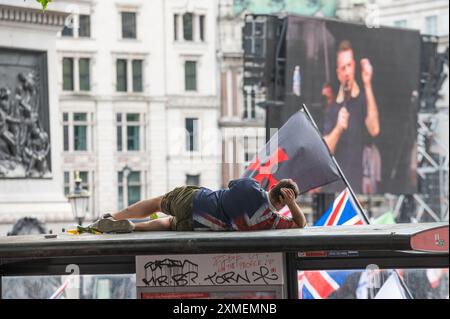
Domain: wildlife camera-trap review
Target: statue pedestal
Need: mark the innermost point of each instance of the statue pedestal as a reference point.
(31, 178)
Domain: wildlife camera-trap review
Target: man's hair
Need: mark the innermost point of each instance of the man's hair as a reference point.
(345, 45)
(275, 192)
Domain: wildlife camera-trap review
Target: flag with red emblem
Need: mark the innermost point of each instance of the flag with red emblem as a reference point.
(296, 151)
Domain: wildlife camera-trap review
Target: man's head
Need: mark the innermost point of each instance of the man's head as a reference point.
(345, 62)
(275, 195)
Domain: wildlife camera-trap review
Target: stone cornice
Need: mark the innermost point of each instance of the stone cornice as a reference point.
(32, 16)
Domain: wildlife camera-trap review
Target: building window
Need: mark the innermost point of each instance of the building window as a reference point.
(132, 132)
(190, 75)
(191, 125)
(121, 66)
(84, 176)
(77, 128)
(123, 82)
(193, 180)
(202, 27)
(76, 74)
(431, 25)
(85, 26)
(84, 69)
(67, 31)
(401, 23)
(79, 26)
(66, 131)
(175, 27)
(132, 185)
(137, 75)
(68, 74)
(80, 131)
(128, 129)
(128, 25)
(188, 31)
(249, 103)
(119, 131)
(66, 183)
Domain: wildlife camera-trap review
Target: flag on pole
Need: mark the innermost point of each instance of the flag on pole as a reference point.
(392, 289)
(343, 211)
(296, 151)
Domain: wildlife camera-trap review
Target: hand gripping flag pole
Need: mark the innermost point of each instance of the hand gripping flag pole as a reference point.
(352, 194)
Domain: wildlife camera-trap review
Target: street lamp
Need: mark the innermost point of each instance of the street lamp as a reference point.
(79, 200)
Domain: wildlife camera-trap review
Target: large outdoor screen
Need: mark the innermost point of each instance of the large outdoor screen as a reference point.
(361, 85)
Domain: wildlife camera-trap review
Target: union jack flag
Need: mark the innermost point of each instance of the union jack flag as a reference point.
(342, 212)
(321, 284)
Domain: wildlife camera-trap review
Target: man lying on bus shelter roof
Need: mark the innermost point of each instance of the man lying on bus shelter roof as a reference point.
(243, 206)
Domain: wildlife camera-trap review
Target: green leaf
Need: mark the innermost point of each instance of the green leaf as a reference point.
(44, 3)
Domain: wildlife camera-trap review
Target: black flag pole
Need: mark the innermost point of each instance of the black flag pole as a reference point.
(341, 173)
(352, 194)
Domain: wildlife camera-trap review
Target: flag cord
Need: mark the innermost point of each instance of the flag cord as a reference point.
(352, 194)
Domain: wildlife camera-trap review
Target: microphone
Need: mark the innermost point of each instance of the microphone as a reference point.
(346, 92)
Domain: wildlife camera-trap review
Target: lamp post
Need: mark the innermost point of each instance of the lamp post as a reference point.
(125, 173)
(79, 200)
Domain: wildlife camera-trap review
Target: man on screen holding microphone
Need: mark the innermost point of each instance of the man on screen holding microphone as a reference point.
(352, 120)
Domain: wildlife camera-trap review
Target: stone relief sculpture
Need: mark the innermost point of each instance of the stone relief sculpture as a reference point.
(24, 144)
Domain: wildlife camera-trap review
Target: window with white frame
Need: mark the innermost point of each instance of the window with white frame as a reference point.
(190, 75)
(76, 74)
(250, 100)
(129, 188)
(67, 183)
(129, 25)
(189, 26)
(77, 131)
(130, 128)
(176, 36)
(84, 30)
(129, 75)
(201, 26)
(68, 74)
(77, 26)
(192, 134)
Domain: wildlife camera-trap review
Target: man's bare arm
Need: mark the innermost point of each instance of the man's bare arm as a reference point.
(332, 139)
(372, 119)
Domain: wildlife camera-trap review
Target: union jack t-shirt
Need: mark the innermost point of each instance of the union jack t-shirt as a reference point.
(243, 206)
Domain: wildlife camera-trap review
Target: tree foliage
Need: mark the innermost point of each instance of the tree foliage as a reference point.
(44, 3)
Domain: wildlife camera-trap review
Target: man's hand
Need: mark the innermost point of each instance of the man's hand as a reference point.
(366, 71)
(342, 119)
(288, 196)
